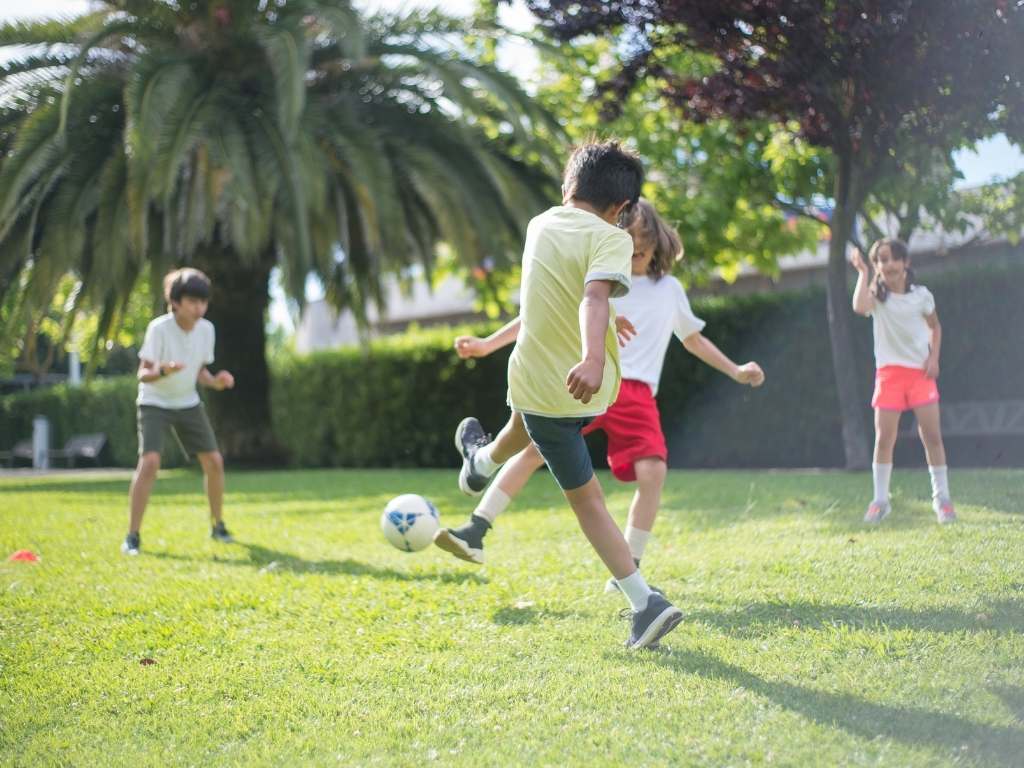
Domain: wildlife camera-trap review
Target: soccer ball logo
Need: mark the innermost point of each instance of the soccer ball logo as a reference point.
(409, 522)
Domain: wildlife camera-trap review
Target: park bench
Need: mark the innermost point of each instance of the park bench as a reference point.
(22, 450)
(81, 447)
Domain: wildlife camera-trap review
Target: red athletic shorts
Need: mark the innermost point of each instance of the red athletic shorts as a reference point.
(898, 388)
(633, 426)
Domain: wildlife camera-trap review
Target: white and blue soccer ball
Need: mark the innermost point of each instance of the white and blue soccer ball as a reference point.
(409, 522)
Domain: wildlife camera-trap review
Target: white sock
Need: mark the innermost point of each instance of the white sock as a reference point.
(483, 463)
(492, 504)
(940, 481)
(635, 589)
(881, 474)
(637, 540)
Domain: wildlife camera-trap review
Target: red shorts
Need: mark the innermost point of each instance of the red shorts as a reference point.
(898, 388)
(633, 426)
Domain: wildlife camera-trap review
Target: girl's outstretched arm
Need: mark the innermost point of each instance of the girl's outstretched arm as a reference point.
(473, 346)
(706, 351)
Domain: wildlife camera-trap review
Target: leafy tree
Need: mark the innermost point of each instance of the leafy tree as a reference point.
(866, 80)
(236, 135)
(719, 185)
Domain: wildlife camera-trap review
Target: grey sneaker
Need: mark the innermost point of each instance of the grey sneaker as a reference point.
(652, 623)
(944, 511)
(877, 512)
(132, 544)
(219, 532)
(469, 438)
(465, 542)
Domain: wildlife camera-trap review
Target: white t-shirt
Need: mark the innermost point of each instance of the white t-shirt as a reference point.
(167, 342)
(657, 309)
(902, 335)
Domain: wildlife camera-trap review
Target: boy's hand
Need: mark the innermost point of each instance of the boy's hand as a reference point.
(750, 373)
(857, 260)
(585, 379)
(470, 346)
(166, 369)
(223, 380)
(931, 368)
(624, 330)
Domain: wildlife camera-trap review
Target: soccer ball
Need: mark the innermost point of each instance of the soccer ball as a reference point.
(409, 522)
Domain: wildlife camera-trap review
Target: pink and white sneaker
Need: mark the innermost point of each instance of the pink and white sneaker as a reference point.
(944, 511)
(877, 512)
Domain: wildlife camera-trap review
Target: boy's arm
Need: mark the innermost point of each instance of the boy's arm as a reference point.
(863, 301)
(474, 346)
(223, 380)
(149, 371)
(585, 377)
(705, 350)
(931, 366)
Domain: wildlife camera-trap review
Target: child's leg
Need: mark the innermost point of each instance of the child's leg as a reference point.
(650, 479)
(930, 429)
(887, 424)
(510, 480)
(510, 440)
(142, 485)
(212, 463)
(597, 524)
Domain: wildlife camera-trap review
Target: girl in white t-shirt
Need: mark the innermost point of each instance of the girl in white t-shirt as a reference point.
(655, 308)
(907, 341)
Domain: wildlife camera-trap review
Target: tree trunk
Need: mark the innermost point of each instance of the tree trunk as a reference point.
(238, 304)
(856, 446)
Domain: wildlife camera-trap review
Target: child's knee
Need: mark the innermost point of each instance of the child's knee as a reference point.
(149, 464)
(650, 472)
(213, 462)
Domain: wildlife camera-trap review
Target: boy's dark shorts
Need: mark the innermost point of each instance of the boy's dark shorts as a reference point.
(561, 443)
(191, 426)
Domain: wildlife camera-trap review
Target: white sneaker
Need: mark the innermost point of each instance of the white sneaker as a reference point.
(944, 511)
(877, 512)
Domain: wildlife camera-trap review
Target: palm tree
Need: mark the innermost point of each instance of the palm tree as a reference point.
(240, 135)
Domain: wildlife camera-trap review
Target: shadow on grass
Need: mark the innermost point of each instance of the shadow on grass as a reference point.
(914, 726)
(513, 616)
(758, 619)
(269, 560)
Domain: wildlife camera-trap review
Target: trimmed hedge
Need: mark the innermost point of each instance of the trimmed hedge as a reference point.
(397, 404)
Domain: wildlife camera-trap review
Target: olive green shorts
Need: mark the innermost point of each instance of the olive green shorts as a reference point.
(190, 425)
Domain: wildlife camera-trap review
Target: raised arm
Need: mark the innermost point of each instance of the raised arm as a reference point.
(863, 301)
(474, 346)
(706, 351)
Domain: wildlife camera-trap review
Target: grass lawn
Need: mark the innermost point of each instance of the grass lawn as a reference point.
(808, 641)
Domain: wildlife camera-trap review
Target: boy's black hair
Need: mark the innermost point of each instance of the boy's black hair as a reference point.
(186, 281)
(603, 174)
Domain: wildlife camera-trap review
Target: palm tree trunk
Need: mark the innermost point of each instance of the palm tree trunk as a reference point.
(840, 315)
(238, 304)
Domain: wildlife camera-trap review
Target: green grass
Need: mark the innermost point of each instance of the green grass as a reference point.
(809, 640)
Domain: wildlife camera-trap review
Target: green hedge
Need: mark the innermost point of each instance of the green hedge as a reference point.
(398, 403)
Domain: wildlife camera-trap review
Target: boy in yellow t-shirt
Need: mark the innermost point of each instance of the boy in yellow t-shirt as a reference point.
(564, 370)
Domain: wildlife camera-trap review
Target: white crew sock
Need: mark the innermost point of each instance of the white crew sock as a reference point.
(637, 540)
(483, 463)
(635, 589)
(881, 473)
(940, 481)
(492, 504)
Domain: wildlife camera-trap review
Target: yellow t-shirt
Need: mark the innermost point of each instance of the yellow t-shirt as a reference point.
(565, 249)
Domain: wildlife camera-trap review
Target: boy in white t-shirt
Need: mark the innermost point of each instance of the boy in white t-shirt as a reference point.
(907, 342)
(175, 352)
(655, 309)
